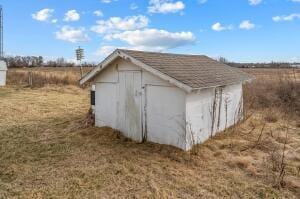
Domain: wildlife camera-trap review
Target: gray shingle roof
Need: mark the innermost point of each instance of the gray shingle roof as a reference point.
(196, 71)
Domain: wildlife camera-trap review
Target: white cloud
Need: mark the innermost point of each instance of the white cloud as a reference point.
(133, 6)
(296, 1)
(165, 6)
(43, 15)
(153, 39)
(290, 17)
(72, 15)
(116, 23)
(98, 13)
(105, 50)
(54, 20)
(247, 25)
(202, 1)
(107, 1)
(73, 35)
(255, 2)
(219, 27)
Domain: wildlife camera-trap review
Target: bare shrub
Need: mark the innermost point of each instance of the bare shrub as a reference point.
(275, 164)
(288, 93)
(282, 91)
(89, 119)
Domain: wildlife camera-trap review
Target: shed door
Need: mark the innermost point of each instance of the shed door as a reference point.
(129, 109)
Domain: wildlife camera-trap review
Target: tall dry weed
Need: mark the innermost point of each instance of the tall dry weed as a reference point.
(44, 76)
(280, 90)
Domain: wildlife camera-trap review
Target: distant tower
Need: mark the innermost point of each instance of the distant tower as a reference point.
(1, 33)
(80, 57)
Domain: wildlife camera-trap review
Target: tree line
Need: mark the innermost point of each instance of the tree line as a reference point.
(259, 65)
(38, 61)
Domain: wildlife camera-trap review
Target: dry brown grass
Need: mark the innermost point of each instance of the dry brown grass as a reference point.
(271, 73)
(44, 76)
(274, 88)
(271, 116)
(241, 162)
(46, 152)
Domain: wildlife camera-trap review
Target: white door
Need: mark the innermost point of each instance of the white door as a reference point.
(129, 104)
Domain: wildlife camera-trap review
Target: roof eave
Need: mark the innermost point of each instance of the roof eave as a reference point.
(120, 53)
(233, 83)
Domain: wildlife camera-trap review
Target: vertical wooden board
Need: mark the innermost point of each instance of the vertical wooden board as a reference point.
(121, 104)
(129, 108)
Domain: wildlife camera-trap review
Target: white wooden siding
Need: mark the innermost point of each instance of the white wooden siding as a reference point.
(125, 65)
(108, 75)
(149, 79)
(201, 122)
(142, 105)
(2, 78)
(3, 70)
(165, 115)
(106, 104)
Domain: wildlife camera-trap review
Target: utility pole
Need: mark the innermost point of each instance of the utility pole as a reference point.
(80, 57)
(1, 33)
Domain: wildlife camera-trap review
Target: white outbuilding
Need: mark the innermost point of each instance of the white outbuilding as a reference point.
(172, 99)
(3, 71)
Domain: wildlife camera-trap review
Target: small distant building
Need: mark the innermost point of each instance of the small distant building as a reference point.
(172, 99)
(295, 65)
(3, 71)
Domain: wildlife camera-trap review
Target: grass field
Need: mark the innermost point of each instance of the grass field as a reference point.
(47, 151)
(44, 75)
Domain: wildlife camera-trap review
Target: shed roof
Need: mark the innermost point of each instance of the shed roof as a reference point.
(194, 71)
(197, 71)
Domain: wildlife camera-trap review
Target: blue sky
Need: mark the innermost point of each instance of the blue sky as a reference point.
(240, 30)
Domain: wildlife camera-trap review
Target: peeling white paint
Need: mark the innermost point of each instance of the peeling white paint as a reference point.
(129, 109)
